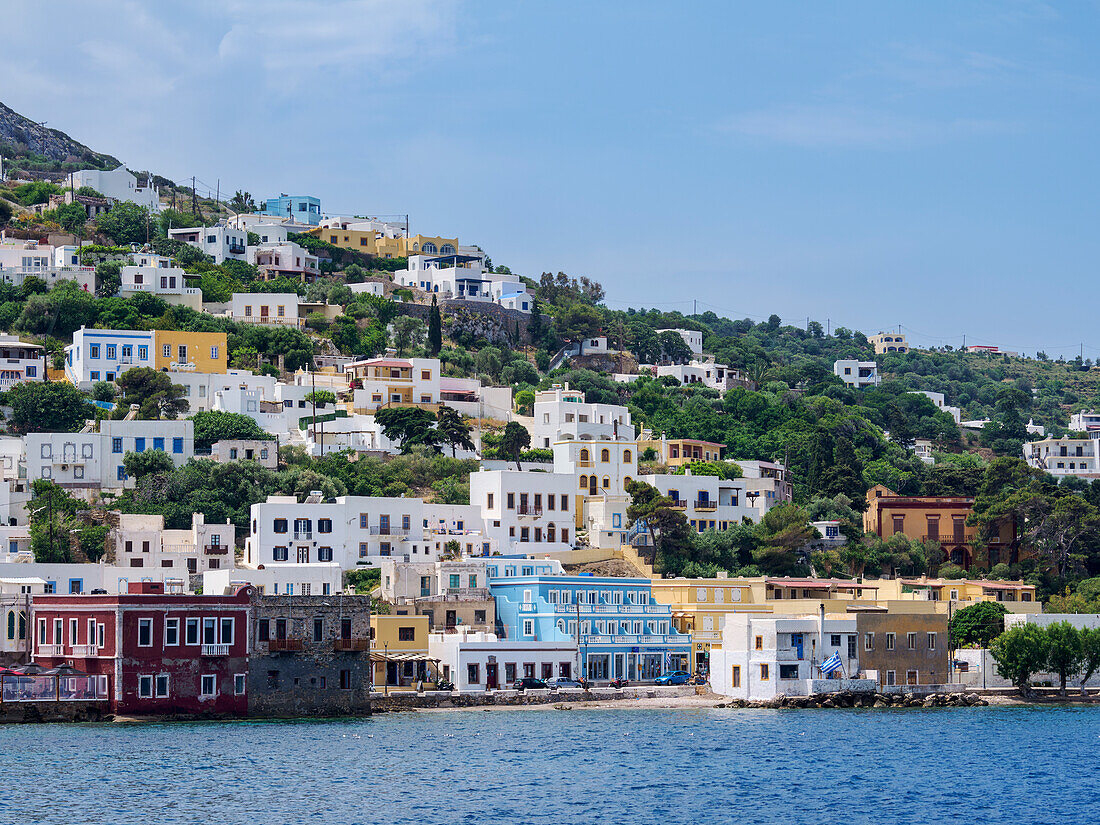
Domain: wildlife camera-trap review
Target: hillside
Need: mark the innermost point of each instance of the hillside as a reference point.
(30, 147)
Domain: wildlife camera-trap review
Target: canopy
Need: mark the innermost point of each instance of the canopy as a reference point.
(377, 656)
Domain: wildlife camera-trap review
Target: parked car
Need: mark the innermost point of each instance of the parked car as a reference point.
(529, 683)
(675, 677)
(562, 682)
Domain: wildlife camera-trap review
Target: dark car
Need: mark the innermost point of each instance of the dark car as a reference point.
(675, 677)
(529, 683)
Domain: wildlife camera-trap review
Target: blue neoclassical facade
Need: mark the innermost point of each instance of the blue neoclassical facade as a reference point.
(620, 631)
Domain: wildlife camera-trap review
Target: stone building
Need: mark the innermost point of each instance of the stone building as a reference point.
(310, 656)
(904, 648)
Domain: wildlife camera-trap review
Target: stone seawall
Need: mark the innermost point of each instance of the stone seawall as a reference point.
(850, 699)
(514, 698)
(15, 712)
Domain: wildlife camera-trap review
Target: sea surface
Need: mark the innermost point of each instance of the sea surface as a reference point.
(972, 765)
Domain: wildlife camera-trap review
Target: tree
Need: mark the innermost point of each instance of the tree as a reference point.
(1065, 653)
(215, 425)
(153, 392)
(407, 332)
(51, 511)
(125, 224)
(435, 329)
(53, 407)
(784, 533)
(454, 430)
(578, 321)
(845, 476)
(515, 440)
(1020, 653)
(320, 397)
(979, 624)
(673, 347)
(1090, 654)
(410, 426)
(525, 400)
(103, 391)
(667, 526)
(242, 202)
(147, 462)
(72, 217)
(108, 278)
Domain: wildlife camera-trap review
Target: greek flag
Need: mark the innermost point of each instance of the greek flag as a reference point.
(831, 664)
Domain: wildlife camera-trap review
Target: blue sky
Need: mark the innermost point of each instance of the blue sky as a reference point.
(868, 164)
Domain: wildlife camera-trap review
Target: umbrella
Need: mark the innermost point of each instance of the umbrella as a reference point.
(63, 670)
(33, 669)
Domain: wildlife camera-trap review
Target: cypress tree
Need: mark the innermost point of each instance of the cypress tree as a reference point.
(435, 329)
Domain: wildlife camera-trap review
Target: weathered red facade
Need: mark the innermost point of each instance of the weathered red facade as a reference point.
(163, 654)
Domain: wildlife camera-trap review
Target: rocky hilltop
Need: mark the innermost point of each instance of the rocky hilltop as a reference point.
(31, 147)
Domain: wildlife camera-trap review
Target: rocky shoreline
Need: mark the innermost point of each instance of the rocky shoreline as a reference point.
(851, 699)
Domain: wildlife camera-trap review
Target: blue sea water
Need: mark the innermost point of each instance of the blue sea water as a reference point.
(973, 765)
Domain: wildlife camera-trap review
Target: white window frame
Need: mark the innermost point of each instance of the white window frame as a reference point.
(145, 621)
(167, 686)
(202, 685)
(145, 686)
(172, 626)
(240, 684)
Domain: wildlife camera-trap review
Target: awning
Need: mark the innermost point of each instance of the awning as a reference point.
(377, 656)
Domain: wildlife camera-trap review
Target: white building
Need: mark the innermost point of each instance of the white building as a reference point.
(562, 413)
(21, 362)
(599, 471)
(279, 308)
(369, 288)
(937, 398)
(14, 495)
(706, 372)
(708, 502)
(92, 461)
(764, 656)
(20, 259)
(355, 531)
(476, 661)
(525, 511)
(454, 276)
(692, 337)
(857, 374)
(120, 185)
(922, 447)
(313, 579)
(103, 354)
(221, 241)
(1084, 421)
(471, 398)
(766, 483)
(1066, 456)
(140, 541)
(168, 283)
(202, 388)
(284, 259)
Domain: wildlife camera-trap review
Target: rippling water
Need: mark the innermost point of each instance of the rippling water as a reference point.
(1013, 764)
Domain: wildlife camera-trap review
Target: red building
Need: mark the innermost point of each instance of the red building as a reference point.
(161, 653)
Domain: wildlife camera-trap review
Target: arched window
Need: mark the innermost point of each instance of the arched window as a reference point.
(606, 482)
(416, 247)
(23, 624)
(11, 624)
(550, 532)
(561, 625)
(584, 455)
(627, 456)
(626, 481)
(605, 456)
(446, 249)
(429, 248)
(584, 482)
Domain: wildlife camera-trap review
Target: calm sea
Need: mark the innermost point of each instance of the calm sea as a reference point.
(977, 765)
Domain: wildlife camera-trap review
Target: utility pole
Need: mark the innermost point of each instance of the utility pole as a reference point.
(194, 198)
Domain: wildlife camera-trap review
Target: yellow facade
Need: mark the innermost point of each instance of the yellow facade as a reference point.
(399, 652)
(370, 242)
(204, 352)
(678, 451)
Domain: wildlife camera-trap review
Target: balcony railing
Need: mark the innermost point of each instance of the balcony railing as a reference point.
(389, 531)
(529, 510)
(85, 650)
(282, 645)
(51, 650)
(949, 539)
(215, 650)
(705, 504)
(679, 504)
(303, 535)
(351, 645)
(216, 549)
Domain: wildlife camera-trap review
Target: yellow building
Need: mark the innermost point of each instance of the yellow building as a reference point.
(677, 451)
(378, 244)
(399, 652)
(886, 342)
(698, 606)
(204, 352)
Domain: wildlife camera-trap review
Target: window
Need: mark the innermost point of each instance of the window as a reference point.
(280, 525)
(145, 687)
(324, 525)
(145, 632)
(834, 639)
(911, 640)
(177, 445)
(324, 554)
(889, 641)
(528, 627)
(226, 637)
(759, 643)
(473, 673)
(93, 351)
(116, 445)
(171, 632)
(788, 671)
(891, 677)
(931, 641)
(167, 351)
(94, 375)
(213, 353)
(209, 685)
(605, 456)
(280, 553)
(318, 629)
(406, 634)
(239, 683)
(735, 676)
(764, 674)
(868, 641)
(139, 445)
(345, 680)
(191, 632)
(143, 353)
(112, 352)
(161, 683)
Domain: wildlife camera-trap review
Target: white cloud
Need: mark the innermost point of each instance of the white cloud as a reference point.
(852, 127)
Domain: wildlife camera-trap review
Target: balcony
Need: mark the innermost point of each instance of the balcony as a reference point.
(679, 504)
(51, 650)
(529, 510)
(284, 645)
(389, 531)
(706, 504)
(237, 250)
(351, 645)
(951, 539)
(303, 535)
(215, 650)
(85, 650)
(216, 549)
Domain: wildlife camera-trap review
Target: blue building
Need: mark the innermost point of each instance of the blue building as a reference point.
(619, 630)
(299, 208)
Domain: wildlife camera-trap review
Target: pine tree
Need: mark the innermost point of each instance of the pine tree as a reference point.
(435, 329)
